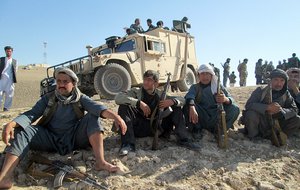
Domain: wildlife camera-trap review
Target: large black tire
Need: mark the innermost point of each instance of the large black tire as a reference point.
(110, 80)
(188, 81)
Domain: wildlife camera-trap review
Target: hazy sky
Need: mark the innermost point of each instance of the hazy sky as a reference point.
(238, 29)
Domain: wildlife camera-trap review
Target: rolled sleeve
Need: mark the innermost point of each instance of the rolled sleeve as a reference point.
(23, 121)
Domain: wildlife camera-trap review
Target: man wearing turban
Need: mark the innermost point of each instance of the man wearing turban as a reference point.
(202, 99)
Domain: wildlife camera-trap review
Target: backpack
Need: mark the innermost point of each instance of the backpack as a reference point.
(51, 108)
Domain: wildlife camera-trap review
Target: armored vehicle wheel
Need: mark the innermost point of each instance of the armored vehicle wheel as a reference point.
(188, 81)
(110, 80)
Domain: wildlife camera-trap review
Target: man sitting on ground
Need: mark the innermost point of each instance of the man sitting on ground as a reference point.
(62, 128)
(137, 106)
(283, 108)
(293, 85)
(201, 103)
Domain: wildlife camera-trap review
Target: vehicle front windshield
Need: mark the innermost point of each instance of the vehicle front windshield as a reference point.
(125, 46)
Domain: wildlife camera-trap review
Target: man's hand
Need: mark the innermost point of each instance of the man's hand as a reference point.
(145, 108)
(166, 103)
(8, 132)
(193, 115)
(221, 98)
(273, 108)
(121, 124)
(118, 121)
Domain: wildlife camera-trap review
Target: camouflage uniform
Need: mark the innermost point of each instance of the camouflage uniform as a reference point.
(136, 26)
(270, 67)
(226, 68)
(232, 79)
(242, 68)
(258, 72)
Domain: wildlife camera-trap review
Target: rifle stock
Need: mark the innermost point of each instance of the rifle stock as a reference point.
(161, 114)
(222, 136)
(278, 137)
(66, 169)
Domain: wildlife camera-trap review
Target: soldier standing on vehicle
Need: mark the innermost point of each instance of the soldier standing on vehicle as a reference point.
(258, 72)
(226, 71)
(160, 24)
(243, 73)
(150, 25)
(232, 79)
(137, 26)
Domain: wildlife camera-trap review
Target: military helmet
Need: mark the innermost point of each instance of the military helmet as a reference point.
(228, 59)
(294, 54)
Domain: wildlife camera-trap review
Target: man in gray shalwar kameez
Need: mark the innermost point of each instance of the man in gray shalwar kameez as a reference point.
(283, 108)
(63, 132)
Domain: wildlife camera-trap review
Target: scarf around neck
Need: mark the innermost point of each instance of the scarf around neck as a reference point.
(74, 97)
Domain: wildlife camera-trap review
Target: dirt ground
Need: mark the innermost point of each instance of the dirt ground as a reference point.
(245, 164)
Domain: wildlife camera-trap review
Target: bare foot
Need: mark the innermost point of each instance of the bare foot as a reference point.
(106, 166)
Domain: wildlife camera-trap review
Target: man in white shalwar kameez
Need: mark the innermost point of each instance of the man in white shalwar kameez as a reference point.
(8, 69)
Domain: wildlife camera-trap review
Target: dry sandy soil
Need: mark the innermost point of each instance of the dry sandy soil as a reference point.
(244, 165)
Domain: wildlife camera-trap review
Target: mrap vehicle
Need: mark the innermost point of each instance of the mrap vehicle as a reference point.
(120, 63)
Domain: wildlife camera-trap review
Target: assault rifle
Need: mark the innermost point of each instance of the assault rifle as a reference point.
(161, 113)
(278, 137)
(66, 169)
(222, 136)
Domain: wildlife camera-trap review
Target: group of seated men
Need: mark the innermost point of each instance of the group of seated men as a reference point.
(63, 128)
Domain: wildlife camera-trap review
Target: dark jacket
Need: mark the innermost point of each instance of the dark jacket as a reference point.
(14, 65)
(258, 99)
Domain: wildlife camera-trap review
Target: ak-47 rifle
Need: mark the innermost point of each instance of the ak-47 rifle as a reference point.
(66, 169)
(161, 113)
(278, 137)
(222, 136)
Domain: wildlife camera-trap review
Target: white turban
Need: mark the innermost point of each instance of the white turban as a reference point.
(206, 68)
(294, 73)
(67, 71)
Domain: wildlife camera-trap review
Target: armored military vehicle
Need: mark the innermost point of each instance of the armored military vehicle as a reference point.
(119, 64)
